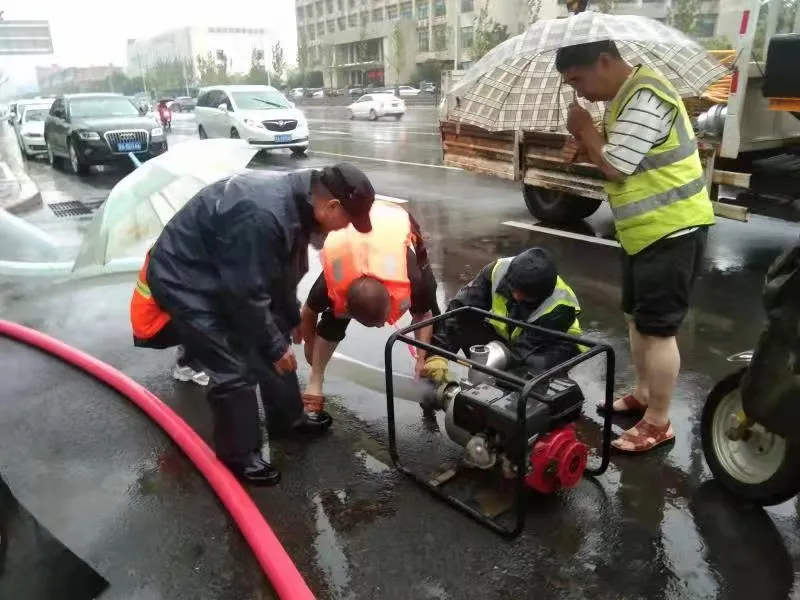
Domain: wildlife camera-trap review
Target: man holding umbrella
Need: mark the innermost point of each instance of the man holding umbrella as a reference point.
(657, 192)
(223, 277)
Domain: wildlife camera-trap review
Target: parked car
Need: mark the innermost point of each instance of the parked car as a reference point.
(99, 129)
(183, 104)
(407, 90)
(356, 92)
(296, 93)
(375, 106)
(29, 128)
(259, 114)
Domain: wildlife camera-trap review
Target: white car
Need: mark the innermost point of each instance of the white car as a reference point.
(259, 114)
(407, 90)
(29, 128)
(375, 106)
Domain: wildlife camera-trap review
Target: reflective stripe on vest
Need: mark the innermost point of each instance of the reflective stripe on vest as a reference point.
(667, 192)
(143, 289)
(562, 296)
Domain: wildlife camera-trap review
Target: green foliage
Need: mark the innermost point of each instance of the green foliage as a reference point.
(258, 70)
(430, 70)
(683, 15)
(278, 61)
(212, 69)
(488, 33)
(398, 55)
(718, 43)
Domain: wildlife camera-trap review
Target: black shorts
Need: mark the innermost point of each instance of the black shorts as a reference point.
(657, 282)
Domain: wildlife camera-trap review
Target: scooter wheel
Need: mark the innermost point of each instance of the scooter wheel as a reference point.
(764, 468)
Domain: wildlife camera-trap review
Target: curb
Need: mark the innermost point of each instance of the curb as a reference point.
(29, 198)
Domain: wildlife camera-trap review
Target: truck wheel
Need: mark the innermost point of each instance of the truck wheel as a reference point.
(559, 208)
(764, 469)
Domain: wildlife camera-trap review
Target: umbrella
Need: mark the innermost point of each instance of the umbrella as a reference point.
(516, 85)
(140, 205)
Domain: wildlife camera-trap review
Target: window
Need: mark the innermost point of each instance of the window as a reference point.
(351, 4)
(467, 6)
(329, 6)
(260, 100)
(391, 13)
(309, 12)
(705, 25)
(423, 39)
(102, 106)
(320, 28)
(439, 38)
(439, 8)
(352, 21)
(406, 10)
(331, 25)
(422, 9)
(318, 6)
(364, 18)
(377, 15)
(341, 22)
(311, 33)
(365, 99)
(300, 14)
(467, 37)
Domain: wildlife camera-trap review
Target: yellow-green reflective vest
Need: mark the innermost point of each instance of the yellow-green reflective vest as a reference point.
(562, 296)
(667, 192)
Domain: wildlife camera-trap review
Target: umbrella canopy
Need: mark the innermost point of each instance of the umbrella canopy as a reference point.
(516, 85)
(141, 204)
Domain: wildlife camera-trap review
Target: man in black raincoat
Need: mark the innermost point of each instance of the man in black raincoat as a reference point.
(226, 269)
(526, 288)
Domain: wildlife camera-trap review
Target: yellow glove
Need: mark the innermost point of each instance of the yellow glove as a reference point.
(435, 369)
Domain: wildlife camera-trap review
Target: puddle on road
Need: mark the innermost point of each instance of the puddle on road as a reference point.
(330, 555)
(34, 565)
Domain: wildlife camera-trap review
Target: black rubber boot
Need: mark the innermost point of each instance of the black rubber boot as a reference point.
(254, 470)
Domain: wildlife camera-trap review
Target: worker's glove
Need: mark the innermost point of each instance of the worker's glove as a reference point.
(435, 369)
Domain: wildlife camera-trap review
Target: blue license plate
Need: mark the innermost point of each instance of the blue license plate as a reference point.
(129, 147)
(282, 139)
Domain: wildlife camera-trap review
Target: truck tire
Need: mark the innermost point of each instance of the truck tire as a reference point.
(558, 208)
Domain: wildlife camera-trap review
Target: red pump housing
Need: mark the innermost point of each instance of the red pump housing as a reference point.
(558, 460)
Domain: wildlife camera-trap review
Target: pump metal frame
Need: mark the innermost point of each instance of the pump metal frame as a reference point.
(520, 453)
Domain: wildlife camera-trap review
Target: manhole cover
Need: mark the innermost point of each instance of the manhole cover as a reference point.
(70, 209)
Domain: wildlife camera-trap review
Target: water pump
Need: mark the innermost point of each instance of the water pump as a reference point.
(518, 423)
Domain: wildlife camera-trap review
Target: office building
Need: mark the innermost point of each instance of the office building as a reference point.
(54, 79)
(235, 45)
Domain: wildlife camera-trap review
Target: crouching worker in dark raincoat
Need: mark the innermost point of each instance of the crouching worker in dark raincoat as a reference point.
(526, 288)
(374, 278)
(223, 274)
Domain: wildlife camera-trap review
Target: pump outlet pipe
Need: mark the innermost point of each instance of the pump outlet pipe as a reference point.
(270, 553)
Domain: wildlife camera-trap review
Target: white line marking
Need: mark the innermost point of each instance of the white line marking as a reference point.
(384, 160)
(560, 233)
(390, 199)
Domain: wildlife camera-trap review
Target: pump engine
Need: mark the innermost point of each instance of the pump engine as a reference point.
(481, 415)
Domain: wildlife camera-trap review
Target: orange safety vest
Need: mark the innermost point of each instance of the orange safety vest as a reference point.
(147, 318)
(381, 253)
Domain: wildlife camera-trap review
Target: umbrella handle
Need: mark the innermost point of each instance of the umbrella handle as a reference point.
(136, 162)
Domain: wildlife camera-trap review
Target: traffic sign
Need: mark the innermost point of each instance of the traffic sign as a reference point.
(25, 38)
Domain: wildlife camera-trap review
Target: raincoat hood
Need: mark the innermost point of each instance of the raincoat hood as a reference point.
(533, 273)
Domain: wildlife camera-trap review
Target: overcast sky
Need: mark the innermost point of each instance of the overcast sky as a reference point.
(94, 32)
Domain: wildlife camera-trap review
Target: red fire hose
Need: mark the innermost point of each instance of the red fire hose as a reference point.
(269, 552)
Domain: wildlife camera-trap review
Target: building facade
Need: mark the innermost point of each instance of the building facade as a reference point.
(357, 42)
(54, 79)
(186, 44)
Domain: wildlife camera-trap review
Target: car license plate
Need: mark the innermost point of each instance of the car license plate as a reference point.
(129, 147)
(282, 139)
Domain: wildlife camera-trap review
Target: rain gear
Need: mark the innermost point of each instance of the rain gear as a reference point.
(226, 269)
(532, 272)
(771, 384)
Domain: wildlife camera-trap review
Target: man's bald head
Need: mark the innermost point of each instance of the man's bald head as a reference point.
(368, 301)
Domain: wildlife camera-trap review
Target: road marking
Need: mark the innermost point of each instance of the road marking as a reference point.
(388, 127)
(567, 234)
(385, 160)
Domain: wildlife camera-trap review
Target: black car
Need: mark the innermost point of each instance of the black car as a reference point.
(99, 129)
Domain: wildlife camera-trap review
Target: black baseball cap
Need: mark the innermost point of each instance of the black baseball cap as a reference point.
(350, 186)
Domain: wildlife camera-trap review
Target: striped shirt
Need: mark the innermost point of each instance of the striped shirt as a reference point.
(644, 122)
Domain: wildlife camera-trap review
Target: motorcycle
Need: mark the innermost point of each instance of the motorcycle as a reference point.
(750, 423)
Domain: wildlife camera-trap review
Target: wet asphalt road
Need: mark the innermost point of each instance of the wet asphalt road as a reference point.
(115, 492)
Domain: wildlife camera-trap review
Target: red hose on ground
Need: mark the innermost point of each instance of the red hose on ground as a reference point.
(271, 555)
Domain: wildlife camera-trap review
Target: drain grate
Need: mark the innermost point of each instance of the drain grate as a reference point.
(72, 208)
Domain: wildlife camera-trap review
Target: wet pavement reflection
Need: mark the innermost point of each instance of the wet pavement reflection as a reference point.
(652, 527)
(34, 565)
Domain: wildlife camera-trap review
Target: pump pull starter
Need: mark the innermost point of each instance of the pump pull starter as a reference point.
(520, 423)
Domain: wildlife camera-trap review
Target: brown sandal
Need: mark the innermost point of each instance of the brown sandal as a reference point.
(313, 403)
(633, 406)
(643, 437)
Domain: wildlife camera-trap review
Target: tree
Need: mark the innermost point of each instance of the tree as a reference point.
(604, 6)
(683, 15)
(534, 7)
(397, 60)
(258, 69)
(718, 43)
(212, 69)
(488, 33)
(278, 60)
(302, 58)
